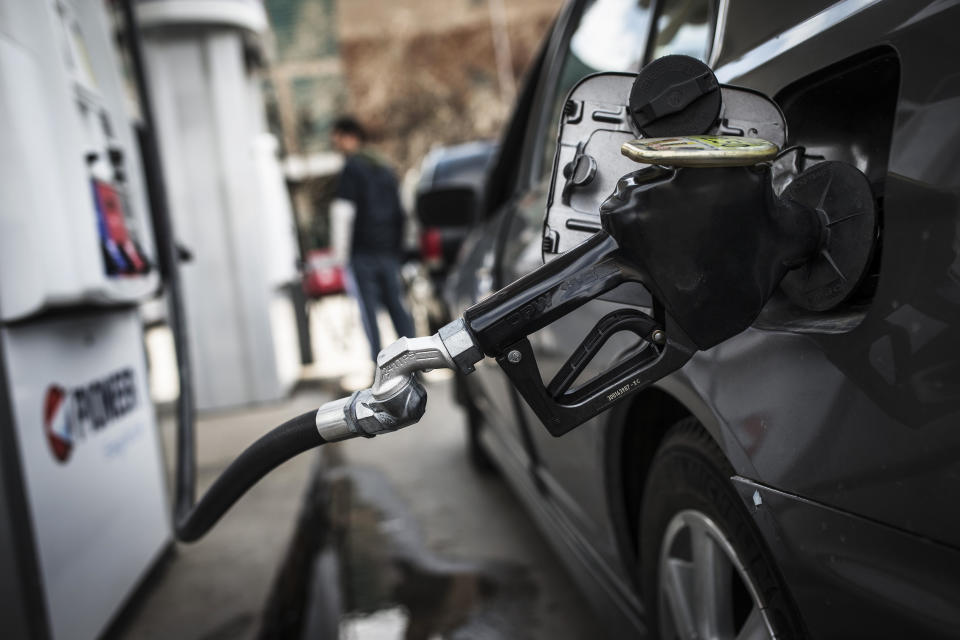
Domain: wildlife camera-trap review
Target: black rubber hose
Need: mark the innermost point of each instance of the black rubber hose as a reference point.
(168, 262)
(263, 456)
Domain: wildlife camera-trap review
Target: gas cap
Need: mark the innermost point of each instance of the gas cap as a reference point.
(675, 95)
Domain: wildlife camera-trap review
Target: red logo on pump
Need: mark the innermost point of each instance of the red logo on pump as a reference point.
(57, 422)
(72, 415)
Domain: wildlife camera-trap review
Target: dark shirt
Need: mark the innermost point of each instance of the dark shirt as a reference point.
(372, 188)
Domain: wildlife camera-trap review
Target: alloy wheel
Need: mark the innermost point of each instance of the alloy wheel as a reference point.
(704, 590)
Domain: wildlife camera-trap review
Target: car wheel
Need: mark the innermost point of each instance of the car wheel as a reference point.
(706, 572)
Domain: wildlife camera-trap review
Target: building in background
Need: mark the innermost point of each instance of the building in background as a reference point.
(418, 73)
(422, 73)
(231, 210)
(305, 92)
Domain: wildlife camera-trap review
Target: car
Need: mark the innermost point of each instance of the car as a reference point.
(446, 200)
(800, 479)
(447, 197)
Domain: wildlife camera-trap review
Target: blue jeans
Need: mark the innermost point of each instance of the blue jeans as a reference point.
(377, 279)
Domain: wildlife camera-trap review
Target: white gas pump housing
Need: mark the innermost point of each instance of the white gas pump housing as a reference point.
(227, 197)
(73, 192)
(83, 511)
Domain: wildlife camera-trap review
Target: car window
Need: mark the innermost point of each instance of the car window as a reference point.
(610, 36)
(684, 27)
(509, 164)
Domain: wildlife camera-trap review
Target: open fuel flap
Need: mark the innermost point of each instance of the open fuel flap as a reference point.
(669, 179)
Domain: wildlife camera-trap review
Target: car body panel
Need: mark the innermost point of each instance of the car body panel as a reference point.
(856, 429)
(571, 462)
(755, 23)
(865, 421)
(855, 578)
(608, 593)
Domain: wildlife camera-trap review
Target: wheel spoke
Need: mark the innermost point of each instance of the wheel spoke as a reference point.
(677, 585)
(754, 627)
(713, 600)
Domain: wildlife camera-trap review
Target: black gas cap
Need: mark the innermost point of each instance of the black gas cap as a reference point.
(674, 96)
(578, 172)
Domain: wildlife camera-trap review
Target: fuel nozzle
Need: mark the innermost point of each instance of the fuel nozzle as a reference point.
(715, 197)
(716, 241)
(703, 229)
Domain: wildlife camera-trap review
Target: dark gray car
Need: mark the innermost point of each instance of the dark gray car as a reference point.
(802, 478)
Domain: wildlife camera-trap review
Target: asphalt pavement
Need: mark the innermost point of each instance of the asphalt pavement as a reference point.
(393, 537)
(458, 540)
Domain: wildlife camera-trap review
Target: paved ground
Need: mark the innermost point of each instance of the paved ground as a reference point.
(352, 530)
(469, 517)
(419, 486)
(216, 587)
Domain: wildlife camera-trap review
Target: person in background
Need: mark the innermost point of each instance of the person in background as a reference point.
(367, 231)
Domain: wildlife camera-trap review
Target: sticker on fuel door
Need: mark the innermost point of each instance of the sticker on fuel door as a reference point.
(700, 151)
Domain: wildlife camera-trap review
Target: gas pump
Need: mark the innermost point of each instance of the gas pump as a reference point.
(83, 493)
(666, 179)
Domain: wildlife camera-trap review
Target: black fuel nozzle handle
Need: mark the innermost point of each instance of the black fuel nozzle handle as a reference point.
(664, 349)
(501, 323)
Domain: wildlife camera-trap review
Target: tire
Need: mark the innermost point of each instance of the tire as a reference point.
(694, 532)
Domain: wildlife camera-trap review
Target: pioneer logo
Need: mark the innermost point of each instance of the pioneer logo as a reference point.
(69, 415)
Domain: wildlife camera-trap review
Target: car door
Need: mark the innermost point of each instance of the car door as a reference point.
(603, 35)
(478, 274)
(508, 244)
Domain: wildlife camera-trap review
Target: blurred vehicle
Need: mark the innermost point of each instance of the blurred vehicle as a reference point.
(323, 275)
(800, 479)
(448, 196)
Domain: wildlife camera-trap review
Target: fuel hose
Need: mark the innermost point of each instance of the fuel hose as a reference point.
(272, 449)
